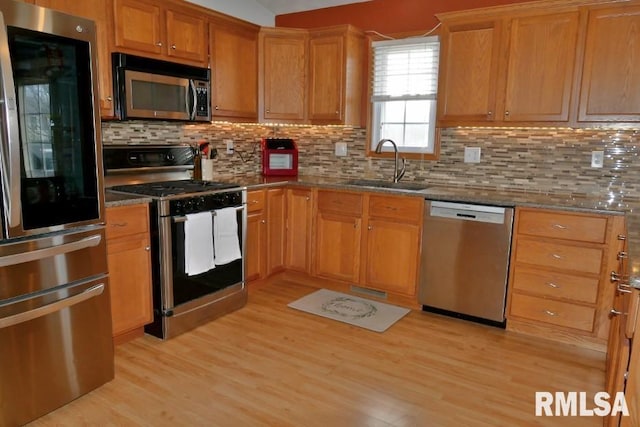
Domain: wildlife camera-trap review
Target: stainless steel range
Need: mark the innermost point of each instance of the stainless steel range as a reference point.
(184, 299)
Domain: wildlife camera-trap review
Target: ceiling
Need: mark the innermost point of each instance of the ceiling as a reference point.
(281, 7)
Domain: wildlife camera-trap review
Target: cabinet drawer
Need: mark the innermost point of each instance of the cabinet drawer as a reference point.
(556, 285)
(255, 201)
(563, 226)
(126, 220)
(343, 203)
(553, 312)
(566, 257)
(407, 209)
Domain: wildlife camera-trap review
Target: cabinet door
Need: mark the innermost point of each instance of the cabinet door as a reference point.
(187, 37)
(469, 72)
(255, 251)
(276, 219)
(139, 26)
(391, 260)
(100, 11)
(298, 244)
(542, 51)
(130, 281)
(234, 66)
(284, 76)
(326, 78)
(611, 76)
(337, 254)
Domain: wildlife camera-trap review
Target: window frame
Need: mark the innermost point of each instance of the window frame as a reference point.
(372, 113)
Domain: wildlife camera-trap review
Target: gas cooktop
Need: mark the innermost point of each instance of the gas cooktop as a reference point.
(175, 188)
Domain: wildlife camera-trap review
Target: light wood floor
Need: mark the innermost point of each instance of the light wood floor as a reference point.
(269, 365)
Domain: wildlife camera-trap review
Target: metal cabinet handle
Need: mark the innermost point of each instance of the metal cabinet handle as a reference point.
(556, 256)
(307, 198)
(622, 255)
(147, 248)
(506, 113)
(109, 98)
(615, 312)
(173, 46)
(559, 226)
(216, 107)
(118, 224)
(550, 313)
(490, 114)
(616, 277)
(263, 221)
(553, 285)
(622, 237)
(159, 44)
(369, 227)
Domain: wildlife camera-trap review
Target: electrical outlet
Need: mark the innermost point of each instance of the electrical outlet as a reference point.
(229, 143)
(472, 154)
(597, 159)
(341, 149)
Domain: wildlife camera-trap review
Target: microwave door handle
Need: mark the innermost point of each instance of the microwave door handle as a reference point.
(192, 85)
(10, 134)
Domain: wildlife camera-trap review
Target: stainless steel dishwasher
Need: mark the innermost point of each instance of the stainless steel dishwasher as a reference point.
(465, 260)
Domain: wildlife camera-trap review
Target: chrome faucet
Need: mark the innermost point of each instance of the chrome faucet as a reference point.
(397, 176)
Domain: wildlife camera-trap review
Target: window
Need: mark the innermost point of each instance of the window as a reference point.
(405, 85)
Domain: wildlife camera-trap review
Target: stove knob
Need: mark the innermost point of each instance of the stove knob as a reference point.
(170, 157)
(188, 205)
(178, 207)
(199, 203)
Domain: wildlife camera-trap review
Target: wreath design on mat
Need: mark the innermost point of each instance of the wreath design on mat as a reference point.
(349, 307)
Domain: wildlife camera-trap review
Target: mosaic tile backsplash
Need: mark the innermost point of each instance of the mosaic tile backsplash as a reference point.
(546, 160)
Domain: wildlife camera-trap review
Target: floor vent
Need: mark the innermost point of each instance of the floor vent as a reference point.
(370, 292)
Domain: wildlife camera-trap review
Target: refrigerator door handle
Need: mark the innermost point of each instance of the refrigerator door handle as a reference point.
(25, 316)
(37, 254)
(10, 133)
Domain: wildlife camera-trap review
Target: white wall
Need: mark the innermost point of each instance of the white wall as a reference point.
(248, 10)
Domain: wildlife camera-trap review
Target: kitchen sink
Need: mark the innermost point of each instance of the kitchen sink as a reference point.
(413, 186)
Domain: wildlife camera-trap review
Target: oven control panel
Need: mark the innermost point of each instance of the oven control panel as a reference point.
(205, 203)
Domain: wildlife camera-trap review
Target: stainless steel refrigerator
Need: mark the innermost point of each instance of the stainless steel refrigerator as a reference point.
(55, 321)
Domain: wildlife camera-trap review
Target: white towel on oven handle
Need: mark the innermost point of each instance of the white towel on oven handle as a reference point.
(225, 236)
(198, 243)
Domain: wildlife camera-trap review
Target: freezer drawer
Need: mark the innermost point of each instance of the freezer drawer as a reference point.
(56, 346)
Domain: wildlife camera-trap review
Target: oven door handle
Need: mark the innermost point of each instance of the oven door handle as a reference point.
(194, 94)
(183, 218)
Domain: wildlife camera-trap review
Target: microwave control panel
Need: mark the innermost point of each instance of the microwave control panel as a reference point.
(202, 98)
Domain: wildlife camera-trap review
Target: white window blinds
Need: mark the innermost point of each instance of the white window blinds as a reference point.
(405, 69)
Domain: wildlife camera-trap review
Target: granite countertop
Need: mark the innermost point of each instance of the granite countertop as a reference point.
(579, 202)
(611, 205)
(113, 199)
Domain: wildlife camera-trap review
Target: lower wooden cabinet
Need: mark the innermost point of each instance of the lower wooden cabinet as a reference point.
(129, 259)
(299, 229)
(561, 264)
(391, 243)
(369, 240)
(264, 252)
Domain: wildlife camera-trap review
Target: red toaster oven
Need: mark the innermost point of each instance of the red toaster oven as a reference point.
(279, 156)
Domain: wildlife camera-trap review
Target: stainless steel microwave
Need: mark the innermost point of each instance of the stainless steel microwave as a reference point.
(151, 89)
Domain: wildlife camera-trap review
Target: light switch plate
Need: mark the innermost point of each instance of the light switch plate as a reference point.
(341, 149)
(229, 143)
(472, 154)
(597, 159)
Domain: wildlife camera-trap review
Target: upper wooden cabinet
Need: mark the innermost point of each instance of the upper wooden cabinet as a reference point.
(554, 62)
(283, 75)
(336, 72)
(234, 70)
(541, 67)
(611, 77)
(164, 30)
(100, 11)
(505, 70)
(469, 71)
(312, 76)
